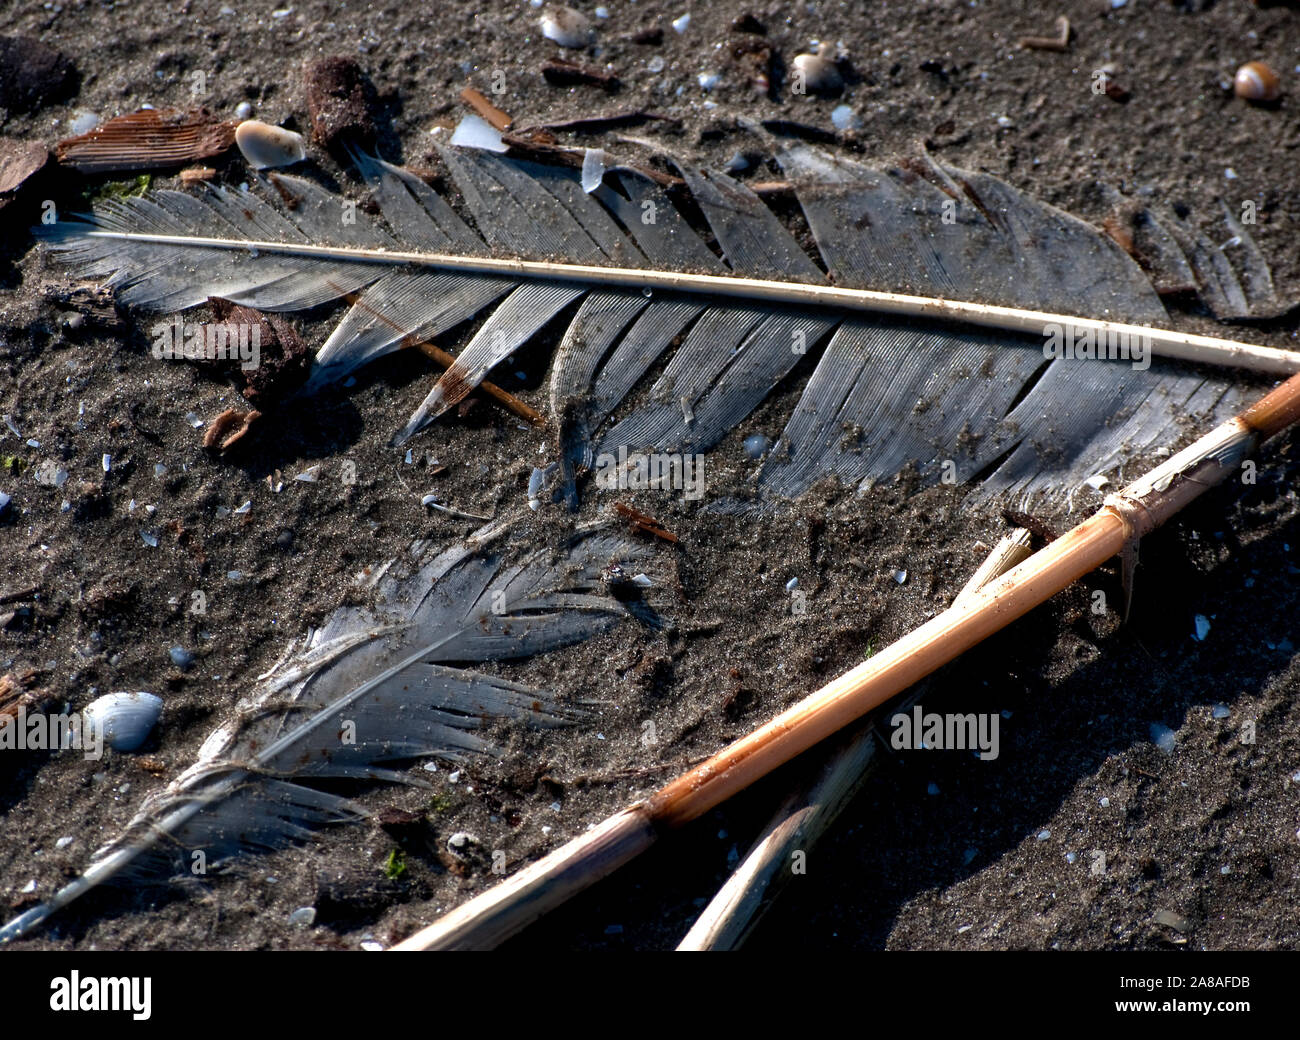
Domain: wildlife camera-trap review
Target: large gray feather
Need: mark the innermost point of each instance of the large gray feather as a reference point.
(878, 395)
(370, 686)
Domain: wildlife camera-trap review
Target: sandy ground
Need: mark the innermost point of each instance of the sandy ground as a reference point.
(939, 850)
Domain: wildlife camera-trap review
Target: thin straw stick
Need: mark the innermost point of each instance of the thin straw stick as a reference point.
(1123, 518)
(440, 357)
(807, 814)
(1013, 548)
(803, 818)
(1163, 342)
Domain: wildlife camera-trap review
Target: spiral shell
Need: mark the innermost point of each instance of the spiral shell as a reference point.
(1255, 81)
(123, 720)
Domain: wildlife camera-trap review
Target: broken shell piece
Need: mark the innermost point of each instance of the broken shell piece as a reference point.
(303, 917)
(817, 74)
(594, 164)
(567, 27)
(476, 132)
(123, 720)
(843, 118)
(1169, 919)
(431, 501)
(1163, 737)
(83, 122)
(536, 481)
(1202, 628)
(50, 474)
(1255, 81)
(265, 146)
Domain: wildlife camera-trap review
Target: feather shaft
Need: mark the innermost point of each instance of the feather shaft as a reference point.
(1163, 342)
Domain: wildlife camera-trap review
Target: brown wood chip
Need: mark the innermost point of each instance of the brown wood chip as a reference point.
(480, 104)
(19, 160)
(643, 522)
(229, 428)
(1059, 42)
(561, 73)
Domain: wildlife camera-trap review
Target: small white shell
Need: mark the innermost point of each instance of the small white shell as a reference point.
(303, 917)
(819, 75)
(843, 118)
(123, 720)
(83, 122)
(266, 146)
(567, 27)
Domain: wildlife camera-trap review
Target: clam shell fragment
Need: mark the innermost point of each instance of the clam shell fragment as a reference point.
(567, 27)
(123, 720)
(265, 146)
